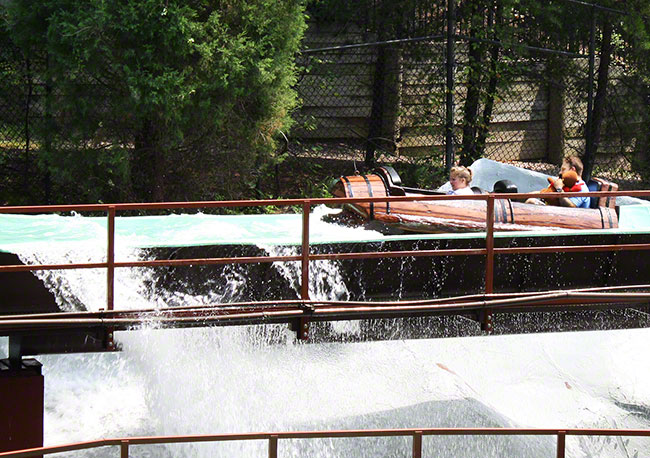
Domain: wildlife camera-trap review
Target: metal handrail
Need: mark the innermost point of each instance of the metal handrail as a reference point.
(288, 311)
(273, 437)
(489, 251)
(305, 257)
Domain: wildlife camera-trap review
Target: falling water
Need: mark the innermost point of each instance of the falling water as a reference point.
(223, 380)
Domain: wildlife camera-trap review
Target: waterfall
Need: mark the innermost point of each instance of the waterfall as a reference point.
(238, 379)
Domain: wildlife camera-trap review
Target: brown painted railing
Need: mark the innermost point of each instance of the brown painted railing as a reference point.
(489, 251)
(415, 433)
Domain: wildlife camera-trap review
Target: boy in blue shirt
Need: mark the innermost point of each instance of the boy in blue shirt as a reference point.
(574, 163)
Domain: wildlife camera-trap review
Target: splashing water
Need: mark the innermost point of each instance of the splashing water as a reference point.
(326, 283)
(219, 380)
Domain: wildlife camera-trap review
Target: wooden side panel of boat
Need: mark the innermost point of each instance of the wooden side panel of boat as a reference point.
(565, 217)
(439, 215)
(363, 186)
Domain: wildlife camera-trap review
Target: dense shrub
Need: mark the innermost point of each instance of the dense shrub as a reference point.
(157, 99)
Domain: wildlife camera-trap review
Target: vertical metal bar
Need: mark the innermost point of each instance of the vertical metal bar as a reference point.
(590, 87)
(451, 65)
(124, 449)
(417, 444)
(110, 274)
(302, 331)
(304, 290)
(15, 351)
(273, 446)
(485, 315)
(489, 245)
(110, 260)
(561, 444)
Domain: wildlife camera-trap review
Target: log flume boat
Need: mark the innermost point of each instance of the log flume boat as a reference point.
(436, 216)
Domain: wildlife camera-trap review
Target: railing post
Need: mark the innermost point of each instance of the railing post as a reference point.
(303, 323)
(489, 245)
(486, 318)
(304, 287)
(273, 446)
(110, 273)
(110, 260)
(561, 443)
(417, 444)
(124, 449)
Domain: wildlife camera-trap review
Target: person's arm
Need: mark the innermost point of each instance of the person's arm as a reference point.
(564, 201)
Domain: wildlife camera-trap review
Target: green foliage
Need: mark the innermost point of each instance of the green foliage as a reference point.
(324, 11)
(174, 90)
(560, 26)
(486, 72)
(425, 174)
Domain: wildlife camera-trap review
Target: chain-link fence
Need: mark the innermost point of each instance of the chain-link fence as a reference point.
(375, 93)
(387, 101)
(38, 134)
(20, 99)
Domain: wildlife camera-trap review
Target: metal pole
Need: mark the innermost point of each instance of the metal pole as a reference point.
(124, 449)
(561, 444)
(304, 290)
(110, 259)
(110, 278)
(451, 65)
(273, 446)
(302, 325)
(417, 444)
(489, 245)
(590, 89)
(486, 315)
(15, 351)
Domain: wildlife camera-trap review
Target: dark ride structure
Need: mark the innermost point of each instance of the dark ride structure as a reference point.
(439, 284)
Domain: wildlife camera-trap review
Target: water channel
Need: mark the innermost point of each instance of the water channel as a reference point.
(245, 379)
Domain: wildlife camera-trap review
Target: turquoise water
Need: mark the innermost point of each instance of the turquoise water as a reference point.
(234, 381)
(634, 217)
(17, 231)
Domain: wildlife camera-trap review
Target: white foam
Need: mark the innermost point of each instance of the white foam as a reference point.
(219, 380)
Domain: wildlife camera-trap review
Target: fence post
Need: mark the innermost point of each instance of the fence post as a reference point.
(110, 259)
(124, 449)
(273, 446)
(417, 444)
(377, 109)
(561, 443)
(110, 273)
(302, 324)
(556, 118)
(304, 287)
(489, 245)
(451, 65)
(486, 314)
(589, 148)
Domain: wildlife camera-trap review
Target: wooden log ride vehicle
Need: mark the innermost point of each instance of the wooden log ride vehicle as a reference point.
(455, 215)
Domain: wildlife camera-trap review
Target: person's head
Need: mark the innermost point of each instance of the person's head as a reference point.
(460, 177)
(572, 163)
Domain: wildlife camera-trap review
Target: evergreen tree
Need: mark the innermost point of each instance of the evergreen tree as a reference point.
(178, 100)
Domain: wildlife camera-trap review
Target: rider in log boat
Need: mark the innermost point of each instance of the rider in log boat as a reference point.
(570, 180)
(459, 179)
(445, 215)
(574, 163)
